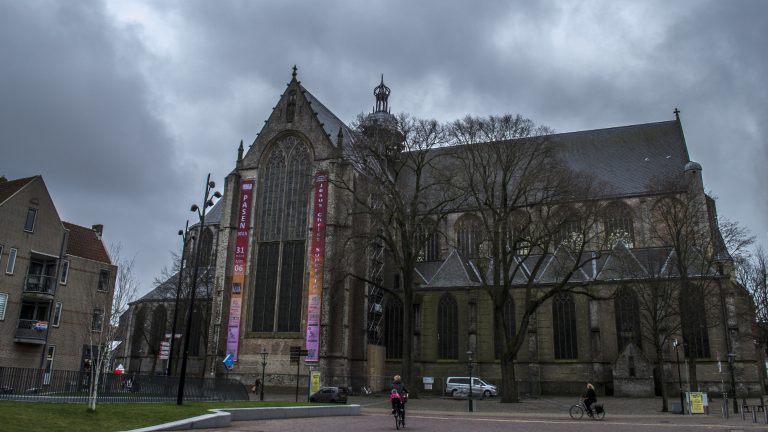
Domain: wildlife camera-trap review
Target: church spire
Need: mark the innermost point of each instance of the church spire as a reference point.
(381, 92)
(294, 73)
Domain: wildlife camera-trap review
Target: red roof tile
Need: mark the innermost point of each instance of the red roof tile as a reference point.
(85, 243)
(10, 187)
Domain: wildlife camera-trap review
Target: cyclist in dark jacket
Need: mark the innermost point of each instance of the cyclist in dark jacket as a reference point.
(398, 386)
(590, 397)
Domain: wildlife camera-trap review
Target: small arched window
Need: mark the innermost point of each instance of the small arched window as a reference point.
(139, 332)
(469, 236)
(447, 328)
(206, 248)
(520, 227)
(393, 328)
(564, 327)
(618, 225)
(428, 242)
(157, 327)
(627, 318)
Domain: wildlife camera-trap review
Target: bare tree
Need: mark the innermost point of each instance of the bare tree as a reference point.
(536, 215)
(701, 249)
(101, 327)
(395, 187)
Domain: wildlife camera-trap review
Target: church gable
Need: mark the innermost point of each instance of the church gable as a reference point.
(299, 112)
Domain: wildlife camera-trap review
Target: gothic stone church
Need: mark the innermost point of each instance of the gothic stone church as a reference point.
(282, 219)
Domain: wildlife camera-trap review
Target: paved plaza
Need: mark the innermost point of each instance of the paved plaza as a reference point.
(539, 414)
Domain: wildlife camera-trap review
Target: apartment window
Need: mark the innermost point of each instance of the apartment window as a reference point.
(3, 303)
(104, 280)
(57, 315)
(98, 319)
(49, 364)
(64, 272)
(29, 225)
(11, 261)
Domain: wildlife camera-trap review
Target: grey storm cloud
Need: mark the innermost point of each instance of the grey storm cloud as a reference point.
(125, 106)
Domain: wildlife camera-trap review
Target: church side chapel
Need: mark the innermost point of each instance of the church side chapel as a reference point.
(577, 260)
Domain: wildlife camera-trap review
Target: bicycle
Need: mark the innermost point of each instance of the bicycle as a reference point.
(399, 417)
(577, 411)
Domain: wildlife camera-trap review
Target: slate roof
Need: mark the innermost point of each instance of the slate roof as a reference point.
(621, 263)
(85, 243)
(166, 291)
(629, 159)
(330, 122)
(10, 187)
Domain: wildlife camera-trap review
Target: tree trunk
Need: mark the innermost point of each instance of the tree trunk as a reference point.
(662, 378)
(509, 381)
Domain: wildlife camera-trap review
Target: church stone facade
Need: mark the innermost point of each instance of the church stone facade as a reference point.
(265, 284)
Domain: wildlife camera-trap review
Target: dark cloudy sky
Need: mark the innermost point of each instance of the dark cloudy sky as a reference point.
(125, 106)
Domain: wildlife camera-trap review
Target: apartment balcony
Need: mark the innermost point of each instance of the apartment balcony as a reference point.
(31, 332)
(39, 286)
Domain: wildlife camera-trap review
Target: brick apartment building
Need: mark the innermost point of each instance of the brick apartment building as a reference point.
(56, 281)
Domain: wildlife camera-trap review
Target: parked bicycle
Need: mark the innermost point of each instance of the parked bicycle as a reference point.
(577, 411)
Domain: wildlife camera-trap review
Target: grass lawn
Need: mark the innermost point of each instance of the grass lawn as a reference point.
(47, 417)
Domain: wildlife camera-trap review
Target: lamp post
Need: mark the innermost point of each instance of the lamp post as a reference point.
(469, 369)
(264, 355)
(207, 202)
(731, 358)
(184, 238)
(675, 344)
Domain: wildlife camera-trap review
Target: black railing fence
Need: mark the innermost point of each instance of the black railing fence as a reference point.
(73, 387)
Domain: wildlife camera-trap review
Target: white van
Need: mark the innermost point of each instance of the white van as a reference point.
(460, 385)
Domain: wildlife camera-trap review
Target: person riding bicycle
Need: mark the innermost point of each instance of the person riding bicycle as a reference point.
(399, 395)
(589, 397)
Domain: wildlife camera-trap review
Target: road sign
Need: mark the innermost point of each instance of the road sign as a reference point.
(229, 361)
(297, 353)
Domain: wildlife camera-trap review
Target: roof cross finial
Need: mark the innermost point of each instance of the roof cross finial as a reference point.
(677, 114)
(294, 71)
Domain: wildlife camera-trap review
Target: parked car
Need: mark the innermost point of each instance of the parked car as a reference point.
(330, 394)
(459, 386)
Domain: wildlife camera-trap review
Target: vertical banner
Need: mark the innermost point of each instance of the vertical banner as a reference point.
(316, 261)
(238, 270)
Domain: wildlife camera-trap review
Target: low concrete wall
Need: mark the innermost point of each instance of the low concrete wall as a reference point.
(222, 417)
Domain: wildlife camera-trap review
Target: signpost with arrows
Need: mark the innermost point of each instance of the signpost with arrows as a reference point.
(296, 354)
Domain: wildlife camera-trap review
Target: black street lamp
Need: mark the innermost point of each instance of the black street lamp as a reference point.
(184, 238)
(207, 202)
(470, 366)
(679, 376)
(264, 355)
(731, 359)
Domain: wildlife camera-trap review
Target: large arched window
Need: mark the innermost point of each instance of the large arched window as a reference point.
(447, 328)
(627, 318)
(469, 235)
(393, 328)
(618, 225)
(428, 242)
(564, 326)
(283, 204)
